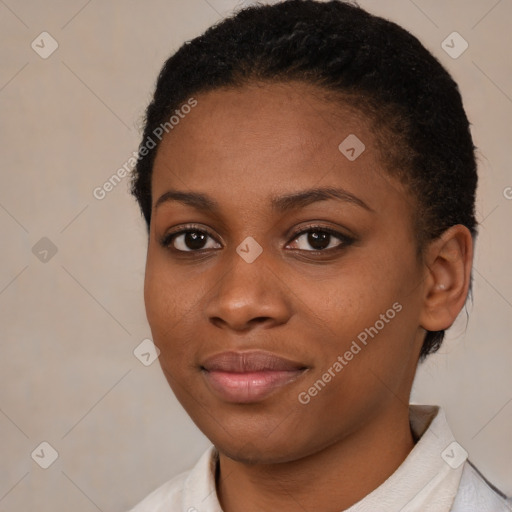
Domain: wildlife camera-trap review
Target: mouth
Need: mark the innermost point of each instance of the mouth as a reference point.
(248, 377)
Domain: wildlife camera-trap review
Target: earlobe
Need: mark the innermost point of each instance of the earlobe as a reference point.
(448, 261)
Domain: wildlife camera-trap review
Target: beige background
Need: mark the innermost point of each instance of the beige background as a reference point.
(69, 325)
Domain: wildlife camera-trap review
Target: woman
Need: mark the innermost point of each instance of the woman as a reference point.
(307, 177)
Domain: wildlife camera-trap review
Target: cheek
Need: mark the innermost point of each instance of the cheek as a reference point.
(370, 312)
(355, 294)
(166, 305)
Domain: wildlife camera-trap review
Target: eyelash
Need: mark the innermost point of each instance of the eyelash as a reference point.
(345, 240)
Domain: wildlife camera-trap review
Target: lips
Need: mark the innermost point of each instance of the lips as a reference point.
(245, 377)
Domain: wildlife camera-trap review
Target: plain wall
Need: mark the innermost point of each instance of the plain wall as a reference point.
(69, 325)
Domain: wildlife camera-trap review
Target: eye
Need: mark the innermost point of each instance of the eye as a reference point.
(321, 239)
(190, 239)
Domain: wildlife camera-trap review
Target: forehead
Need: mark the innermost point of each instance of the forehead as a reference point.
(286, 115)
(265, 139)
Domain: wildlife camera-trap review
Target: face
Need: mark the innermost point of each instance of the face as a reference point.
(286, 320)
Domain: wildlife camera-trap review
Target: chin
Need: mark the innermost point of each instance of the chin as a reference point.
(249, 453)
(258, 448)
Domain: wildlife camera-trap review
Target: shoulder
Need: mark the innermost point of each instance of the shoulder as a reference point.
(185, 489)
(476, 494)
(167, 495)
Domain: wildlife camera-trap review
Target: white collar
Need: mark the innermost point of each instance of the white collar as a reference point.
(426, 481)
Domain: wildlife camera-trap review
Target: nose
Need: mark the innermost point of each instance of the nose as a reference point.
(248, 295)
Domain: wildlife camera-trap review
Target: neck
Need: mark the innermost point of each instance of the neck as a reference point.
(330, 480)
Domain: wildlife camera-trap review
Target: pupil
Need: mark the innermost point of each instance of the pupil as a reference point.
(194, 240)
(318, 239)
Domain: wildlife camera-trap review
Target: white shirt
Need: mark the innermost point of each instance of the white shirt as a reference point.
(435, 477)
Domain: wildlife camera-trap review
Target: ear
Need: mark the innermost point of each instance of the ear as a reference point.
(448, 260)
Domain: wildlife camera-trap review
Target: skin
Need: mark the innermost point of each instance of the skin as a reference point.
(241, 147)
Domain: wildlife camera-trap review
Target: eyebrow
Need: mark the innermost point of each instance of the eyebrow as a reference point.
(280, 204)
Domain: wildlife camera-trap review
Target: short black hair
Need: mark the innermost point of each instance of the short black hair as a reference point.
(368, 62)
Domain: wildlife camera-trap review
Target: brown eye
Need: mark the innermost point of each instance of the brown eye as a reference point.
(189, 240)
(321, 239)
